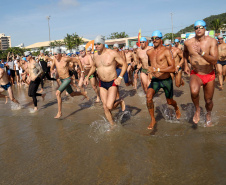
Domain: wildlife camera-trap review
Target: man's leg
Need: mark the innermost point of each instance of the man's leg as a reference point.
(220, 75)
(178, 79)
(144, 80)
(208, 96)
(10, 92)
(174, 104)
(224, 73)
(135, 79)
(195, 84)
(150, 106)
(4, 96)
(59, 101)
(94, 86)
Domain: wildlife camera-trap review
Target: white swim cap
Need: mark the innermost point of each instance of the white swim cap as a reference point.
(41, 51)
(81, 48)
(27, 53)
(220, 36)
(99, 39)
(89, 49)
(57, 50)
(167, 42)
(135, 46)
(115, 45)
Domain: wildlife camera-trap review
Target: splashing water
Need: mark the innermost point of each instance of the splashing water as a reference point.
(15, 106)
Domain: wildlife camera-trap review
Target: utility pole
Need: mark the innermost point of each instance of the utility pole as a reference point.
(48, 18)
(172, 25)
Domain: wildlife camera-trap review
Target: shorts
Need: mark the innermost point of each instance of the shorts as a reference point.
(221, 62)
(125, 76)
(17, 72)
(107, 85)
(75, 73)
(205, 78)
(12, 73)
(65, 85)
(166, 84)
(6, 86)
(144, 71)
(91, 76)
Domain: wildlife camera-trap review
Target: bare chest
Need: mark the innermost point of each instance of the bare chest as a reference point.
(105, 61)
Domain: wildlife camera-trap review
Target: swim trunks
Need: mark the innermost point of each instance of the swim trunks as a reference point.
(125, 76)
(166, 84)
(205, 78)
(144, 71)
(221, 62)
(6, 86)
(91, 76)
(65, 85)
(107, 85)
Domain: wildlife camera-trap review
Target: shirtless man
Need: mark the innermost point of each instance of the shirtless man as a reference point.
(178, 45)
(89, 52)
(6, 85)
(62, 65)
(105, 61)
(203, 56)
(44, 63)
(161, 65)
(179, 60)
(128, 55)
(35, 71)
(135, 65)
(221, 63)
(87, 63)
(143, 59)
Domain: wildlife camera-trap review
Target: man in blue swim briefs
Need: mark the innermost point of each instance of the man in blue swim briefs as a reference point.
(143, 59)
(105, 61)
(62, 66)
(128, 55)
(203, 54)
(162, 64)
(6, 85)
(221, 63)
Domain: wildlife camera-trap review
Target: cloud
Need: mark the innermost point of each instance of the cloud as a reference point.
(68, 3)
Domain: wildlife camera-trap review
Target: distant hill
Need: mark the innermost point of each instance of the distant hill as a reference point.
(208, 21)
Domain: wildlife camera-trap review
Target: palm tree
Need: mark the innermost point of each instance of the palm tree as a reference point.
(72, 41)
(216, 24)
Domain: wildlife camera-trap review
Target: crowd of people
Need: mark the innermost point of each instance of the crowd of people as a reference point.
(156, 64)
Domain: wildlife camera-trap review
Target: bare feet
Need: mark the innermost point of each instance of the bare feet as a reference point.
(221, 87)
(43, 96)
(15, 101)
(196, 116)
(208, 120)
(152, 124)
(58, 115)
(123, 105)
(182, 82)
(40, 91)
(6, 99)
(85, 95)
(35, 109)
(98, 99)
(178, 113)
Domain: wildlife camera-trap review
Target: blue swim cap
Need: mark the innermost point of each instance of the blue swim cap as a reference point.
(200, 22)
(24, 58)
(106, 46)
(150, 44)
(176, 40)
(69, 54)
(157, 33)
(143, 39)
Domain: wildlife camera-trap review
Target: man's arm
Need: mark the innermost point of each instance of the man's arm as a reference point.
(39, 69)
(180, 54)
(1, 73)
(75, 60)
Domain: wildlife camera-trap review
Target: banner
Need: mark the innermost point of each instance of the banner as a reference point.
(90, 44)
(139, 36)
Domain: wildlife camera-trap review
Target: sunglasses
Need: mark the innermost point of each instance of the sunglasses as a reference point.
(220, 38)
(27, 55)
(155, 38)
(142, 42)
(167, 45)
(197, 27)
(97, 43)
(55, 54)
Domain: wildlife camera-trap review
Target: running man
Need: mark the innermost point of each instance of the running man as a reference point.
(35, 71)
(162, 64)
(143, 59)
(87, 63)
(135, 66)
(105, 61)
(221, 63)
(178, 45)
(179, 60)
(62, 65)
(203, 56)
(128, 55)
(6, 85)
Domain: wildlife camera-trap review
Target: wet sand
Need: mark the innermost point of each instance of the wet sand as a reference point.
(35, 148)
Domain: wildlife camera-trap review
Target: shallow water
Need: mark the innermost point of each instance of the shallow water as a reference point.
(35, 148)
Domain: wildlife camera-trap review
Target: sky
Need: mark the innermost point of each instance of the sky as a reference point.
(25, 20)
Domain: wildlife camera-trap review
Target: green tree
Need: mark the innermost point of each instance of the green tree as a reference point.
(216, 24)
(72, 41)
(168, 36)
(117, 35)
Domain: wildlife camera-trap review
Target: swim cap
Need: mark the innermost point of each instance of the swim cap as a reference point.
(18, 58)
(99, 39)
(167, 42)
(126, 47)
(57, 50)
(27, 53)
(41, 51)
(115, 45)
(106, 46)
(200, 23)
(89, 49)
(176, 40)
(143, 39)
(135, 46)
(157, 33)
(24, 58)
(81, 48)
(220, 36)
(69, 54)
(150, 44)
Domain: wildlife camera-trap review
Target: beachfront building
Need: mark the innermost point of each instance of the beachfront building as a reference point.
(46, 45)
(223, 30)
(5, 42)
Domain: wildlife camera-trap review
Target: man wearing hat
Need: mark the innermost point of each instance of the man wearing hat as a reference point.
(178, 45)
(203, 54)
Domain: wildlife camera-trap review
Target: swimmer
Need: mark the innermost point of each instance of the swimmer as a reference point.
(135, 65)
(203, 54)
(221, 63)
(105, 61)
(179, 60)
(143, 60)
(178, 45)
(161, 65)
(129, 62)
(62, 65)
(35, 71)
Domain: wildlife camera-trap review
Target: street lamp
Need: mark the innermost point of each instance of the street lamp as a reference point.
(172, 25)
(48, 18)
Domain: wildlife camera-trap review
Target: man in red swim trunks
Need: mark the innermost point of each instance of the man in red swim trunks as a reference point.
(203, 56)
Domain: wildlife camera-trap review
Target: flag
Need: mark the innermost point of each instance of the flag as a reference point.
(139, 36)
(90, 44)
